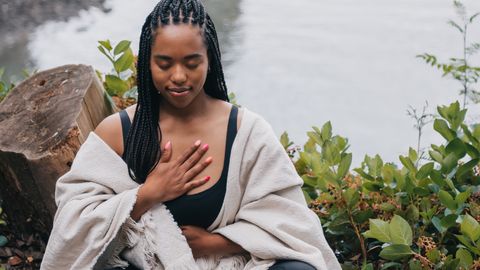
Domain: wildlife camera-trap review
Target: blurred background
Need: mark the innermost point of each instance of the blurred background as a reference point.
(297, 63)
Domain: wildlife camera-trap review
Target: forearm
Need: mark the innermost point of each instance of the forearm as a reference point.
(224, 246)
(142, 205)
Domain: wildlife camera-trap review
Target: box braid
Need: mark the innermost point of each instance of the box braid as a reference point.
(142, 149)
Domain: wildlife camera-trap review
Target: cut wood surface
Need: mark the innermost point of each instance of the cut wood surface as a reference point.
(43, 122)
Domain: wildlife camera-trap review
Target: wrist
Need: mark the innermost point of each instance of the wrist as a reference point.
(144, 195)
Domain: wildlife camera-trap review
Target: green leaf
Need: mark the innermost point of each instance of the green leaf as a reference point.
(310, 180)
(344, 166)
(284, 140)
(472, 151)
(400, 231)
(462, 197)
(414, 265)
(327, 131)
(106, 44)
(442, 127)
(378, 230)
(396, 252)
(447, 200)
(457, 147)
(407, 163)
(412, 213)
(368, 267)
(464, 240)
(308, 199)
(437, 178)
(470, 227)
(466, 168)
(387, 207)
(364, 174)
(412, 154)
(424, 171)
(351, 196)
(124, 62)
(436, 156)
(448, 221)
(438, 225)
(388, 265)
(465, 257)
(372, 186)
(433, 255)
(362, 216)
(449, 163)
(421, 191)
(115, 84)
(121, 47)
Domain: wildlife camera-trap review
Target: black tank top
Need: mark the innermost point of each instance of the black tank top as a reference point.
(199, 209)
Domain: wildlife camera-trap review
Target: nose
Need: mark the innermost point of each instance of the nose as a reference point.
(179, 77)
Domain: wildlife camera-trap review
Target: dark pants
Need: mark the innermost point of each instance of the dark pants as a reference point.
(279, 265)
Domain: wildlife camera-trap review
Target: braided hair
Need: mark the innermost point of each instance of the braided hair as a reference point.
(142, 150)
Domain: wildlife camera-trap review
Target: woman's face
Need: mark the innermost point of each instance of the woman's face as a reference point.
(179, 63)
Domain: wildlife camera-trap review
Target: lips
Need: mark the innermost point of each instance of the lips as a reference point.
(178, 92)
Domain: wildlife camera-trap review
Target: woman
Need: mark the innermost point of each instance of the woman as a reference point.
(239, 207)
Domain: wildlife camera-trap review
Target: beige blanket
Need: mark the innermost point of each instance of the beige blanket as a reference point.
(264, 211)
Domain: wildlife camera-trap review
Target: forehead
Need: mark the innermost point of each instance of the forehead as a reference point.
(178, 40)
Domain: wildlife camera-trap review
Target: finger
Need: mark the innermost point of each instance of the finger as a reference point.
(194, 158)
(187, 153)
(167, 152)
(196, 183)
(197, 169)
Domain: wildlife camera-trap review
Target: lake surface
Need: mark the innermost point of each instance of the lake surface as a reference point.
(300, 63)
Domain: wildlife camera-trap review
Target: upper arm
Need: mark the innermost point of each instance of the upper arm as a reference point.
(110, 131)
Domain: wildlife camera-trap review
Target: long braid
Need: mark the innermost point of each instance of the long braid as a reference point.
(142, 149)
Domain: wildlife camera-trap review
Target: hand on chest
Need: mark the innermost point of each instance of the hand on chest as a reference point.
(216, 139)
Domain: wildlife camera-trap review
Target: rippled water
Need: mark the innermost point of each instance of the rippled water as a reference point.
(302, 63)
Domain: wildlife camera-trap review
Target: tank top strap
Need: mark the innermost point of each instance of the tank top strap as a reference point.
(125, 128)
(232, 126)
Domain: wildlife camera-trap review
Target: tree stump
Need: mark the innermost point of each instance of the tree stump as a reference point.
(43, 122)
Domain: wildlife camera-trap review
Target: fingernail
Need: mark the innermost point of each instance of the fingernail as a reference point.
(205, 147)
(197, 143)
(167, 145)
(207, 178)
(209, 159)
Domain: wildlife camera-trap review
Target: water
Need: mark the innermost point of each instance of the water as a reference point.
(302, 63)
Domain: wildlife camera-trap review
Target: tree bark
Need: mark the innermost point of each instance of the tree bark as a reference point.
(43, 122)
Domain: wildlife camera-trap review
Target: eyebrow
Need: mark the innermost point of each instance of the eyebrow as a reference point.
(168, 58)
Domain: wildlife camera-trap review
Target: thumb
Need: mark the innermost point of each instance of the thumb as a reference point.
(167, 152)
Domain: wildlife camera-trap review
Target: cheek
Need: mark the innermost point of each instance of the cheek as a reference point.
(159, 77)
(200, 75)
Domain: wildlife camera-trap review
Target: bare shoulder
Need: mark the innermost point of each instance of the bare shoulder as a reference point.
(110, 131)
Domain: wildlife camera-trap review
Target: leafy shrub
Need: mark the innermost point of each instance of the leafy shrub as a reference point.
(121, 83)
(385, 216)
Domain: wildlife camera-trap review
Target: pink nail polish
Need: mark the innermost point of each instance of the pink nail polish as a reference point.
(167, 145)
(209, 159)
(207, 178)
(205, 147)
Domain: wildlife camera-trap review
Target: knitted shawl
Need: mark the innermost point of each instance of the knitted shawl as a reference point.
(264, 211)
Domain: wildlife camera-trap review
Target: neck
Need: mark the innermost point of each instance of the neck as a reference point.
(197, 108)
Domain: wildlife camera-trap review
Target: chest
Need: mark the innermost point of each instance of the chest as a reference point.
(183, 137)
